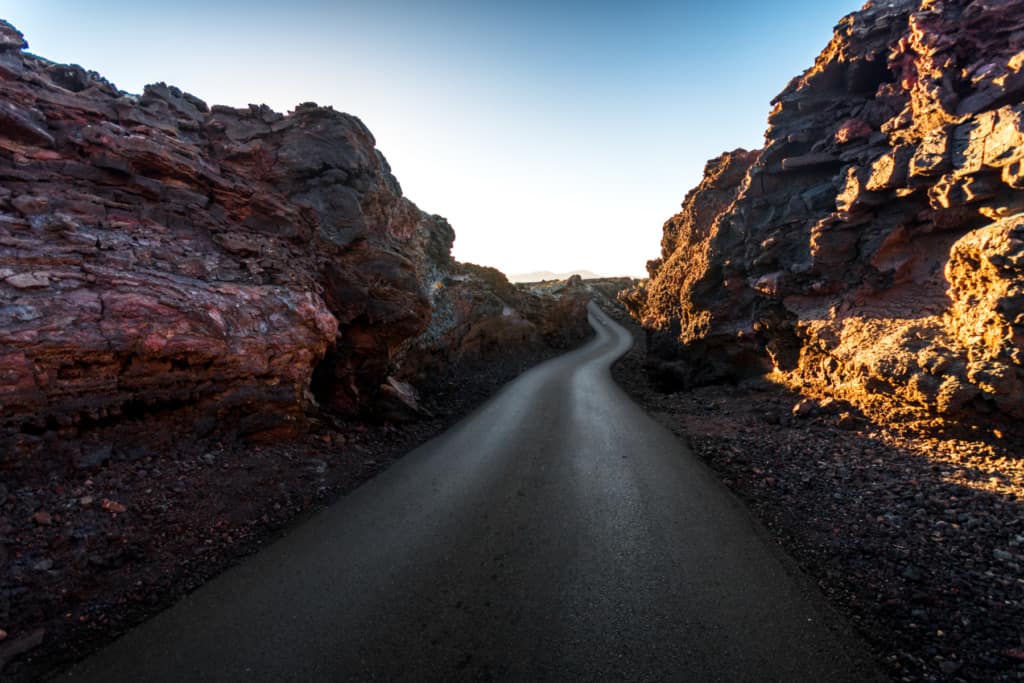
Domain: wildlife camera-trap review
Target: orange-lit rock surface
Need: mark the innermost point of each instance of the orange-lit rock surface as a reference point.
(872, 250)
(171, 270)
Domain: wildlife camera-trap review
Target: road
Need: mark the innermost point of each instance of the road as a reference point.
(558, 533)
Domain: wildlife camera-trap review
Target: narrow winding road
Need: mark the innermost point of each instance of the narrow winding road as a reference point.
(558, 533)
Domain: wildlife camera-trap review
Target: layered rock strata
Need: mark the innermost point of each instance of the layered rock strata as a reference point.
(169, 269)
(872, 249)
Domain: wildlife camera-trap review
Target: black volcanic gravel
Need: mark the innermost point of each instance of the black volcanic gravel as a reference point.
(85, 558)
(918, 539)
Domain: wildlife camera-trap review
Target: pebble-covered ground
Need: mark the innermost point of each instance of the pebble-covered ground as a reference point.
(918, 539)
(84, 558)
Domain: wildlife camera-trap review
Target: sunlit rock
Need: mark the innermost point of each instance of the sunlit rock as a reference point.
(870, 250)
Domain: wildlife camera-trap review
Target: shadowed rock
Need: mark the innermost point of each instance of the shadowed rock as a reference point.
(170, 270)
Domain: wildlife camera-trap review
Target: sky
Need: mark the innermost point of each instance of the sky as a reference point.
(552, 135)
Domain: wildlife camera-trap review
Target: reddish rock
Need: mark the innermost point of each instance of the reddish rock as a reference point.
(112, 506)
(869, 251)
(42, 518)
(851, 130)
(170, 271)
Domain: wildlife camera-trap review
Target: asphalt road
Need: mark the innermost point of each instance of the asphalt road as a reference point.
(558, 533)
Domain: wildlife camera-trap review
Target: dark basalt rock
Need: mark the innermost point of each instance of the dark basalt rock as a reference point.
(867, 252)
(170, 270)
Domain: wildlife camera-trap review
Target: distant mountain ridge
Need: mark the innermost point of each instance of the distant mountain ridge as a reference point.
(539, 275)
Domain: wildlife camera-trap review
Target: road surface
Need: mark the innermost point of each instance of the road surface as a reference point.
(558, 533)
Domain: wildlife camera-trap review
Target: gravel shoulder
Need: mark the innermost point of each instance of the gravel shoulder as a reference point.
(918, 539)
(86, 558)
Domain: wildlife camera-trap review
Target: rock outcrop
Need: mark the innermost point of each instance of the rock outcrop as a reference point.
(171, 270)
(479, 318)
(872, 250)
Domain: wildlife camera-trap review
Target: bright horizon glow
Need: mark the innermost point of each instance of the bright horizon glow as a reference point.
(552, 138)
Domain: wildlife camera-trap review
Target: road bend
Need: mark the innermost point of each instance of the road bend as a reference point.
(558, 533)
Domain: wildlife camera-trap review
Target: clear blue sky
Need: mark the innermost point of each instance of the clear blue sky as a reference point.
(552, 135)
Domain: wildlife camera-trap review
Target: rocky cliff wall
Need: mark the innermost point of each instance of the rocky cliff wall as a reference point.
(171, 270)
(872, 250)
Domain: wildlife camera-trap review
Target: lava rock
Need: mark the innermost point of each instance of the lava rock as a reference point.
(872, 250)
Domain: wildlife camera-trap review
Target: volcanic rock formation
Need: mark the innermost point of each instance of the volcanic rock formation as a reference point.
(873, 250)
(169, 269)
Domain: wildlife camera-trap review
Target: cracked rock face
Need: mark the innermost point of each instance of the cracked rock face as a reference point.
(870, 250)
(171, 270)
